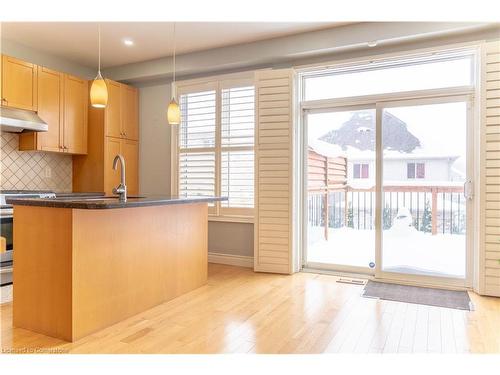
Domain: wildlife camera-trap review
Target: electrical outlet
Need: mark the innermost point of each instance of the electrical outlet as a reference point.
(48, 172)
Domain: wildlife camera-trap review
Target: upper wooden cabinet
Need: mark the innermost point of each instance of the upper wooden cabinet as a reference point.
(50, 109)
(130, 112)
(113, 119)
(121, 112)
(75, 114)
(62, 104)
(19, 83)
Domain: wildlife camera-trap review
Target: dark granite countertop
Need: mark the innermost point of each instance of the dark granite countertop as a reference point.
(102, 202)
(79, 194)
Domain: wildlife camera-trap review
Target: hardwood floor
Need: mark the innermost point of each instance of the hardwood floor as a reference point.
(240, 311)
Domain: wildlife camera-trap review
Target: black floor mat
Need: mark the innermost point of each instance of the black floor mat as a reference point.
(413, 294)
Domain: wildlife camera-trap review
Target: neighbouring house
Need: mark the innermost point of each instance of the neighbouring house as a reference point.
(405, 162)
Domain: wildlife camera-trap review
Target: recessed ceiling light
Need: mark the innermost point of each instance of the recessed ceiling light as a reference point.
(128, 42)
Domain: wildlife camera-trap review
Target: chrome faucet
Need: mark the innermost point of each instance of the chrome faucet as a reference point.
(121, 189)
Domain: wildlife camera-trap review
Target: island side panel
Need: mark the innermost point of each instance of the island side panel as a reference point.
(128, 260)
(42, 270)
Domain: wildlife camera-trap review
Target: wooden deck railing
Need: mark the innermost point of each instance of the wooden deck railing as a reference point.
(434, 209)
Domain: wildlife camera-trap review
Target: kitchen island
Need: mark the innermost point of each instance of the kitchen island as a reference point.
(81, 265)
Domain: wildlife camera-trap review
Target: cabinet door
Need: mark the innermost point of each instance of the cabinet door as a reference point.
(111, 177)
(130, 152)
(113, 127)
(50, 109)
(130, 112)
(75, 115)
(19, 84)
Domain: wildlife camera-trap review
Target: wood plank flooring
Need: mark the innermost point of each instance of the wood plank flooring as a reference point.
(240, 311)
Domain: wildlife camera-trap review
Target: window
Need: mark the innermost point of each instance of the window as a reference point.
(415, 170)
(361, 171)
(427, 72)
(237, 146)
(216, 145)
(197, 144)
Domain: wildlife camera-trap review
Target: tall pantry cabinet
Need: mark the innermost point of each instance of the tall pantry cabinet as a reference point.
(111, 131)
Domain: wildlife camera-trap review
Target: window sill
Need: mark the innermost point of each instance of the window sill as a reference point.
(231, 219)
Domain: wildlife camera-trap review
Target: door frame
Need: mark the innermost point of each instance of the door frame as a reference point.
(380, 102)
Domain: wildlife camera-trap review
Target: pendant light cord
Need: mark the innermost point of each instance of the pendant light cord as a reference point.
(99, 34)
(173, 75)
(174, 54)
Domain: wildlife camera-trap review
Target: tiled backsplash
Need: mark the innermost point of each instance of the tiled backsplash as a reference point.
(27, 170)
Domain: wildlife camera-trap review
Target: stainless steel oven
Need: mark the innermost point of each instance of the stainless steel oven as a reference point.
(7, 229)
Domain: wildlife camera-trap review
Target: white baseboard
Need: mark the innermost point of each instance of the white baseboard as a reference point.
(232, 260)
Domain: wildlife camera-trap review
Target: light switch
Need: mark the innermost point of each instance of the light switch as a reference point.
(48, 172)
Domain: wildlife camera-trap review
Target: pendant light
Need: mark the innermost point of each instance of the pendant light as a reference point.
(98, 90)
(173, 110)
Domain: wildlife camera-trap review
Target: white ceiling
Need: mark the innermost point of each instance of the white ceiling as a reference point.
(77, 41)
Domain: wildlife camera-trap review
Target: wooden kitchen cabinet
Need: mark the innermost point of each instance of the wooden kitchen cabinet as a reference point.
(19, 84)
(62, 104)
(94, 172)
(50, 109)
(121, 112)
(112, 147)
(75, 114)
(112, 111)
(130, 112)
(130, 151)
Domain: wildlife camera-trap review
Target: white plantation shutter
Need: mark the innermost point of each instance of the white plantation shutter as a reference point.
(274, 171)
(197, 144)
(489, 260)
(237, 149)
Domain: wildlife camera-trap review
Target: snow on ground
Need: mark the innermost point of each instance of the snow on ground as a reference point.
(407, 250)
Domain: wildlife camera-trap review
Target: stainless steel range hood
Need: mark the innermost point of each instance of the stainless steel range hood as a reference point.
(19, 120)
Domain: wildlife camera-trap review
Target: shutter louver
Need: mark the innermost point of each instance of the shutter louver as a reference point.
(274, 171)
(490, 201)
(237, 147)
(196, 140)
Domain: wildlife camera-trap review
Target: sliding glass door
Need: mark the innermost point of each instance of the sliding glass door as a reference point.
(387, 162)
(341, 188)
(425, 189)
(407, 162)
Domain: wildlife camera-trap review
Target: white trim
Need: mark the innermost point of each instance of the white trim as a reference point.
(447, 48)
(231, 260)
(228, 80)
(232, 219)
(424, 284)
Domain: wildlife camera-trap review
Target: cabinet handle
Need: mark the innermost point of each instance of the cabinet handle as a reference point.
(4, 101)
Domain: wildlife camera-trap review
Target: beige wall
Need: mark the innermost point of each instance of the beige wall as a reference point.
(154, 149)
(19, 51)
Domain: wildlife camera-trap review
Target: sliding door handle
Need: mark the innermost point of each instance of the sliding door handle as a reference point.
(468, 190)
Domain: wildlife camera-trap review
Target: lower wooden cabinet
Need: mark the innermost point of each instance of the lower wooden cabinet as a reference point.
(94, 172)
(130, 152)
